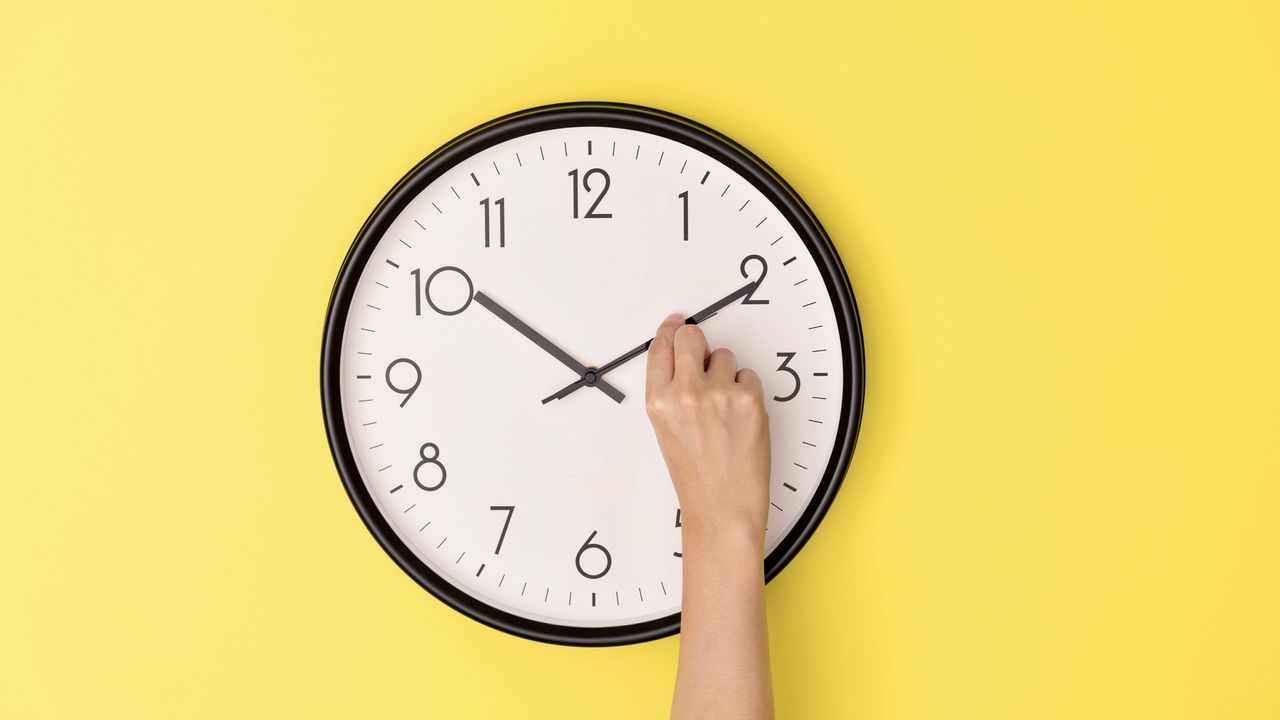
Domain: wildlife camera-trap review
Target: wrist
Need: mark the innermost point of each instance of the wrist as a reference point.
(721, 531)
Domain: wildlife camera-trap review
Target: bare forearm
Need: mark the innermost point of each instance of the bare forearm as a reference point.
(724, 645)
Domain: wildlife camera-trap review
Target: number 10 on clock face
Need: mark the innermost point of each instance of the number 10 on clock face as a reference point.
(490, 390)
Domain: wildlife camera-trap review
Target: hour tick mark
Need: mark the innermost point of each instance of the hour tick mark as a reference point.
(455, 193)
(375, 307)
(664, 587)
(799, 466)
(365, 400)
(504, 577)
(442, 542)
(820, 350)
(588, 147)
(775, 242)
(815, 302)
(617, 599)
(398, 487)
(593, 599)
(637, 152)
(686, 162)
(744, 205)
(662, 155)
(363, 377)
(762, 221)
(641, 594)
(519, 161)
(706, 175)
(367, 330)
(615, 148)
(818, 422)
(817, 397)
(546, 595)
(495, 167)
(806, 442)
(789, 260)
(393, 263)
(455, 562)
(725, 190)
(540, 152)
(475, 179)
(815, 327)
(775, 507)
(371, 422)
(802, 281)
(480, 570)
(570, 597)
(437, 207)
(402, 242)
(566, 148)
(415, 222)
(406, 510)
(819, 374)
(523, 588)
(424, 527)
(789, 486)
(361, 352)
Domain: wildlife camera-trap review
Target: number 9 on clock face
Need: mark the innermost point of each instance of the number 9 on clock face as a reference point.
(483, 366)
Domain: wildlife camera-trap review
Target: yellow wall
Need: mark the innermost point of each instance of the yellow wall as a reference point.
(1062, 222)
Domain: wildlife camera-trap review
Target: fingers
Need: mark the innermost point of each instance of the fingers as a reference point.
(690, 352)
(661, 366)
(722, 366)
(748, 378)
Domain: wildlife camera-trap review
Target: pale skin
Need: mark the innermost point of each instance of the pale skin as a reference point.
(713, 430)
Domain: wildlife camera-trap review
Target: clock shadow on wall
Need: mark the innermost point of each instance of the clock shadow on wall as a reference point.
(356, 378)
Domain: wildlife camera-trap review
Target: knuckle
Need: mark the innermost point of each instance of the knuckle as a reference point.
(689, 399)
(724, 355)
(689, 332)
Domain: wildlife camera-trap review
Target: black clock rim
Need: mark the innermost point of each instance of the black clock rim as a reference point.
(547, 117)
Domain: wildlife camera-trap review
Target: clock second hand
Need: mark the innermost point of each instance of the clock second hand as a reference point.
(551, 348)
(694, 319)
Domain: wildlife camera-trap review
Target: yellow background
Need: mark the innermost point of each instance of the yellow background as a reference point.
(1061, 222)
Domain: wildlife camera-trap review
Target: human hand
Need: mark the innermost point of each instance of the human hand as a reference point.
(713, 431)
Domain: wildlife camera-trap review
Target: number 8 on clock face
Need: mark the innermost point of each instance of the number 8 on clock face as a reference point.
(483, 361)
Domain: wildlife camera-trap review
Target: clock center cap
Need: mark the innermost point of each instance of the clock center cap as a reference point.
(589, 377)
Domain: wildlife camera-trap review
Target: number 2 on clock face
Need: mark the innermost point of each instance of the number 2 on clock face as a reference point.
(488, 367)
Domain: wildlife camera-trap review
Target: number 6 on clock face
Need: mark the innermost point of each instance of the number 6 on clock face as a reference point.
(483, 369)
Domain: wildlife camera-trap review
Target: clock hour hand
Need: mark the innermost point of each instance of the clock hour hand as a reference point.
(567, 360)
(698, 317)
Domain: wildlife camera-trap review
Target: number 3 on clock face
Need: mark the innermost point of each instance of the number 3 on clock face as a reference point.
(483, 369)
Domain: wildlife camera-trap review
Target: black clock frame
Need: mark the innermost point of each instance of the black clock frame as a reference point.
(599, 114)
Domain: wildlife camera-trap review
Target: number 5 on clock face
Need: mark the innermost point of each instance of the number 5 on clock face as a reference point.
(484, 371)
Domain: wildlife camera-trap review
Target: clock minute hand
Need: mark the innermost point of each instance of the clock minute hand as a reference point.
(551, 348)
(698, 317)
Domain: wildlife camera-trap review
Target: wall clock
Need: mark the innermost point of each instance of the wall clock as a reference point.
(482, 367)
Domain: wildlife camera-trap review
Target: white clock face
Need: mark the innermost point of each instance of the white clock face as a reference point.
(582, 238)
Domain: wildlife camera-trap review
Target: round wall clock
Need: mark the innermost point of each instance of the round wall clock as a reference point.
(483, 370)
